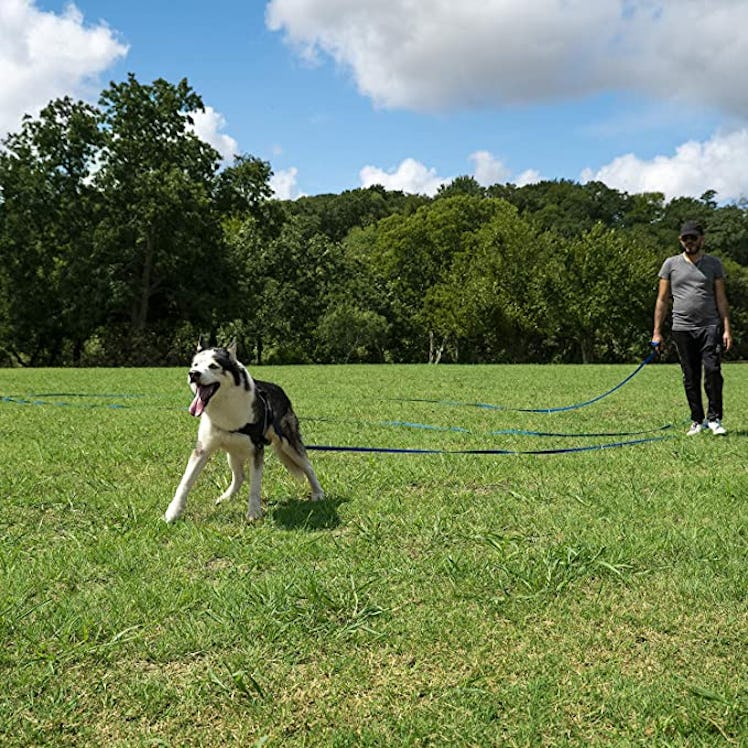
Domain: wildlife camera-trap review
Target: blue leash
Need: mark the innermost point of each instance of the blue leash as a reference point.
(18, 400)
(525, 432)
(488, 406)
(496, 432)
(61, 404)
(393, 450)
(565, 450)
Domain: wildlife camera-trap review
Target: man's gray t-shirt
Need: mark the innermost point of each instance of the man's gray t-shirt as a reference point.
(692, 287)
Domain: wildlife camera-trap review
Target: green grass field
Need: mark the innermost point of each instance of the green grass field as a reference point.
(591, 598)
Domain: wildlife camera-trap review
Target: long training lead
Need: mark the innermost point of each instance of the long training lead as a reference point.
(408, 451)
(489, 406)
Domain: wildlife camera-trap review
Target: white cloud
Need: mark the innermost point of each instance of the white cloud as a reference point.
(529, 176)
(410, 176)
(413, 177)
(444, 55)
(488, 169)
(207, 126)
(284, 184)
(718, 164)
(44, 56)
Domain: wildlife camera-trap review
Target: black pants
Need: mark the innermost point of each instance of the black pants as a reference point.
(697, 348)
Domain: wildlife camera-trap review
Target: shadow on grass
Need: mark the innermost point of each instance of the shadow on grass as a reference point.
(300, 514)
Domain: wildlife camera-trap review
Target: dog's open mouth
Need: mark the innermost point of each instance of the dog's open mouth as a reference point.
(202, 398)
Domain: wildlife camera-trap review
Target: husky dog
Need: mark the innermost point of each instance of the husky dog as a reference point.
(239, 415)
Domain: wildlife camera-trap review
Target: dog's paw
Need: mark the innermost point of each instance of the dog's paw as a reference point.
(174, 511)
(171, 516)
(317, 496)
(254, 509)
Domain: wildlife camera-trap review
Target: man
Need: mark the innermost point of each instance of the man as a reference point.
(701, 324)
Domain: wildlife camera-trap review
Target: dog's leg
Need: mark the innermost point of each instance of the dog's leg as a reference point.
(317, 493)
(237, 477)
(196, 463)
(254, 508)
(297, 463)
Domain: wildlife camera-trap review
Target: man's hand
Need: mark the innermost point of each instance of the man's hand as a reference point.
(727, 340)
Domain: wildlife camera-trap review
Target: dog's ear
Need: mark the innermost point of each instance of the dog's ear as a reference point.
(231, 348)
(199, 347)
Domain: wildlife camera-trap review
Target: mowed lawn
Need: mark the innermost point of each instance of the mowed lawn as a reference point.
(591, 597)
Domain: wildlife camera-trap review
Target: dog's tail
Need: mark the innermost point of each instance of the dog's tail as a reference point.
(293, 461)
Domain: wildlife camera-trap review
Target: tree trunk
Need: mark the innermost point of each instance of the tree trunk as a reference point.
(435, 354)
(140, 316)
(586, 347)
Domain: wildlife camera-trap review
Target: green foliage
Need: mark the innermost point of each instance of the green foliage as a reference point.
(567, 208)
(243, 191)
(47, 216)
(122, 236)
(349, 334)
(736, 284)
(336, 216)
(162, 228)
(413, 253)
(728, 233)
(488, 305)
(602, 296)
(464, 185)
(288, 280)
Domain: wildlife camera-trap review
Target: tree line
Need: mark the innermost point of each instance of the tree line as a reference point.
(124, 239)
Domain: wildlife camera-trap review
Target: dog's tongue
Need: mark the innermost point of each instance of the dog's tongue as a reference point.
(203, 393)
(197, 406)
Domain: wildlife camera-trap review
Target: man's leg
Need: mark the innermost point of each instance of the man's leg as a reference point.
(689, 352)
(711, 355)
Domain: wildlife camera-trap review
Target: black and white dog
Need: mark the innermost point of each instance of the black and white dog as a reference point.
(239, 415)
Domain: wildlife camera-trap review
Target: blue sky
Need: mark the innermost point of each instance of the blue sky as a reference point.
(645, 95)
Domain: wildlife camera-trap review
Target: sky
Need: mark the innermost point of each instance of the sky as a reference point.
(643, 95)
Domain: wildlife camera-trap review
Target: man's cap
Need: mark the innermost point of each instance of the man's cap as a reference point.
(691, 227)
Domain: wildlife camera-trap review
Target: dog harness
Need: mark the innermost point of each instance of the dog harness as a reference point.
(255, 430)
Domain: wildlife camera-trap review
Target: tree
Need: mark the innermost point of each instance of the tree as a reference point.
(412, 253)
(737, 293)
(285, 287)
(490, 305)
(47, 218)
(160, 243)
(682, 209)
(243, 191)
(727, 234)
(464, 185)
(567, 208)
(349, 334)
(604, 295)
(337, 215)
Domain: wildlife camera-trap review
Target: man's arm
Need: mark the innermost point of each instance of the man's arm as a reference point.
(724, 311)
(661, 307)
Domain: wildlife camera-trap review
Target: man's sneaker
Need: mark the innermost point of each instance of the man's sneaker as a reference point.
(696, 428)
(716, 427)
